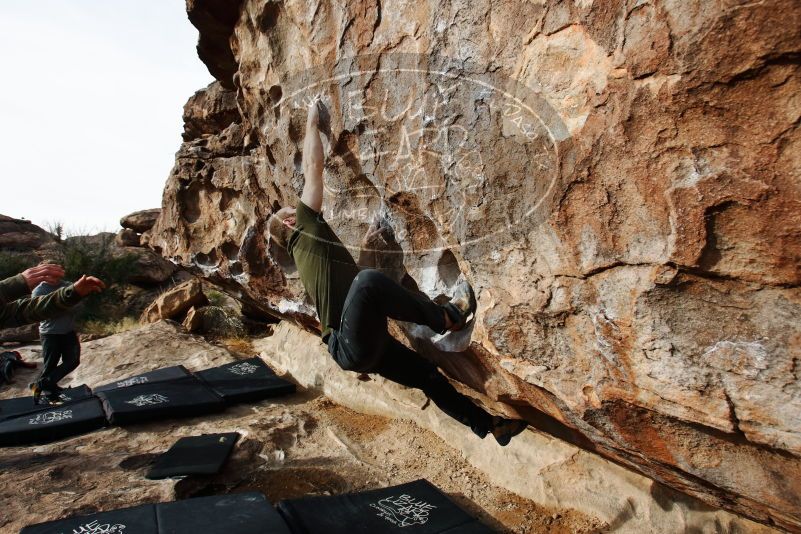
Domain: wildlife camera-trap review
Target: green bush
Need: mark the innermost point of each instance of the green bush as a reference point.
(12, 264)
(95, 256)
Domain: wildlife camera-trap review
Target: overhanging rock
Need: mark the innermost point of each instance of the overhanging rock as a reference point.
(618, 182)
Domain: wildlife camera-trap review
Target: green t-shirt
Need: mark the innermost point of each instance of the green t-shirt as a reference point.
(325, 266)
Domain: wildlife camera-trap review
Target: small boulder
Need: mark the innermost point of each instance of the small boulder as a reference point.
(141, 221)
(127, 238)
(213, 321)
(175, 302)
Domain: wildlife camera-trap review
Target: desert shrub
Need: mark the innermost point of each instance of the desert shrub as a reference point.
(216, 298)
(12, 263)
(95, 256)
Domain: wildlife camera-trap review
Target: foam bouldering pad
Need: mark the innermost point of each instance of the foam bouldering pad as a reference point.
(54, 423)
(414, 508)
(24, 405)
(139, 520)
(158, 375)
(245, 381)
(244, 513)
(184, 397)
(194, 455)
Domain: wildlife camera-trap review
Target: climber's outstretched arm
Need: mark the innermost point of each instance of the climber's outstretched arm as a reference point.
(312, 194)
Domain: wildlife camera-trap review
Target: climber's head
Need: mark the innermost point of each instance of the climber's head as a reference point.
(281, 225)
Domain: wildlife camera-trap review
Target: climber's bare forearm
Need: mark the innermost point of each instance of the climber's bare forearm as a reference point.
(312, 194)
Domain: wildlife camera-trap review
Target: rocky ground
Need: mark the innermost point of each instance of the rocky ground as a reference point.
(299, 445)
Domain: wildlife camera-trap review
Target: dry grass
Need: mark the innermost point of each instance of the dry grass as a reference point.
(108, 328)
(240, 346)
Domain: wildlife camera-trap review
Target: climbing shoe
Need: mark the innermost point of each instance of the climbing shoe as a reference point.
(36, 391)
(461, 307)
(505, 429)
(51, 399)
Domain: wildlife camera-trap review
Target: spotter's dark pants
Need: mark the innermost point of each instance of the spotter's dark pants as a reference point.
(363, 344)
(58, 347)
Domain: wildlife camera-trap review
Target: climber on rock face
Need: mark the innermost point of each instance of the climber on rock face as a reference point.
(353, 306)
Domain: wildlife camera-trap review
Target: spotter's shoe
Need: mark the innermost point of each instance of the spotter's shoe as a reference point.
(505, 429)
(461, 307)
(51, 399)
(36, 392)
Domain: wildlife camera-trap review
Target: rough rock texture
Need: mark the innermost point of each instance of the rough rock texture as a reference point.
(629, 210)
(140, 221)
(175, 302)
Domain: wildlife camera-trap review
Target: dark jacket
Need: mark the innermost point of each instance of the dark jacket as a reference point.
(17, 308)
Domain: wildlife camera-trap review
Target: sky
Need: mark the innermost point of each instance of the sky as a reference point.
(91, 96)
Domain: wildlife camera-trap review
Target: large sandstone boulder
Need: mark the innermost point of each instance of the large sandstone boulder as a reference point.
(175, 302)
(140, 221)
(619, 182)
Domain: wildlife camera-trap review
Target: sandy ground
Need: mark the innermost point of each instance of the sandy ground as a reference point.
(299, 445)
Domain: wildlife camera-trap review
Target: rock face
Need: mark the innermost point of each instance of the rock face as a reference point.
(618, 180)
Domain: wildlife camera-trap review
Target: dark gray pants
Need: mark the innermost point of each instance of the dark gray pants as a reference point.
(363, 344)
(64, 348)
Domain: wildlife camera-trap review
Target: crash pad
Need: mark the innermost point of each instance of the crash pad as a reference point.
(52, 424)
(194, 455)
(184, 397)
(414, 508)
(245, 381)
(23, 405)
(243, 513)
(158, 375)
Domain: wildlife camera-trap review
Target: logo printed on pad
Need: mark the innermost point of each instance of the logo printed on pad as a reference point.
(50, 417)
(132, 381)
(403, 510)
(243, 369)
(95, 527)
(148, 400)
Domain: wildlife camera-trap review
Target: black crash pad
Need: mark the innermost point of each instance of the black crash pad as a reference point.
(24, 405)
(194, 455)
(245, 381)
(53, 423)
(138, 520)
(414, 508)
(184, 397)
(243, 513)
(158, 375)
